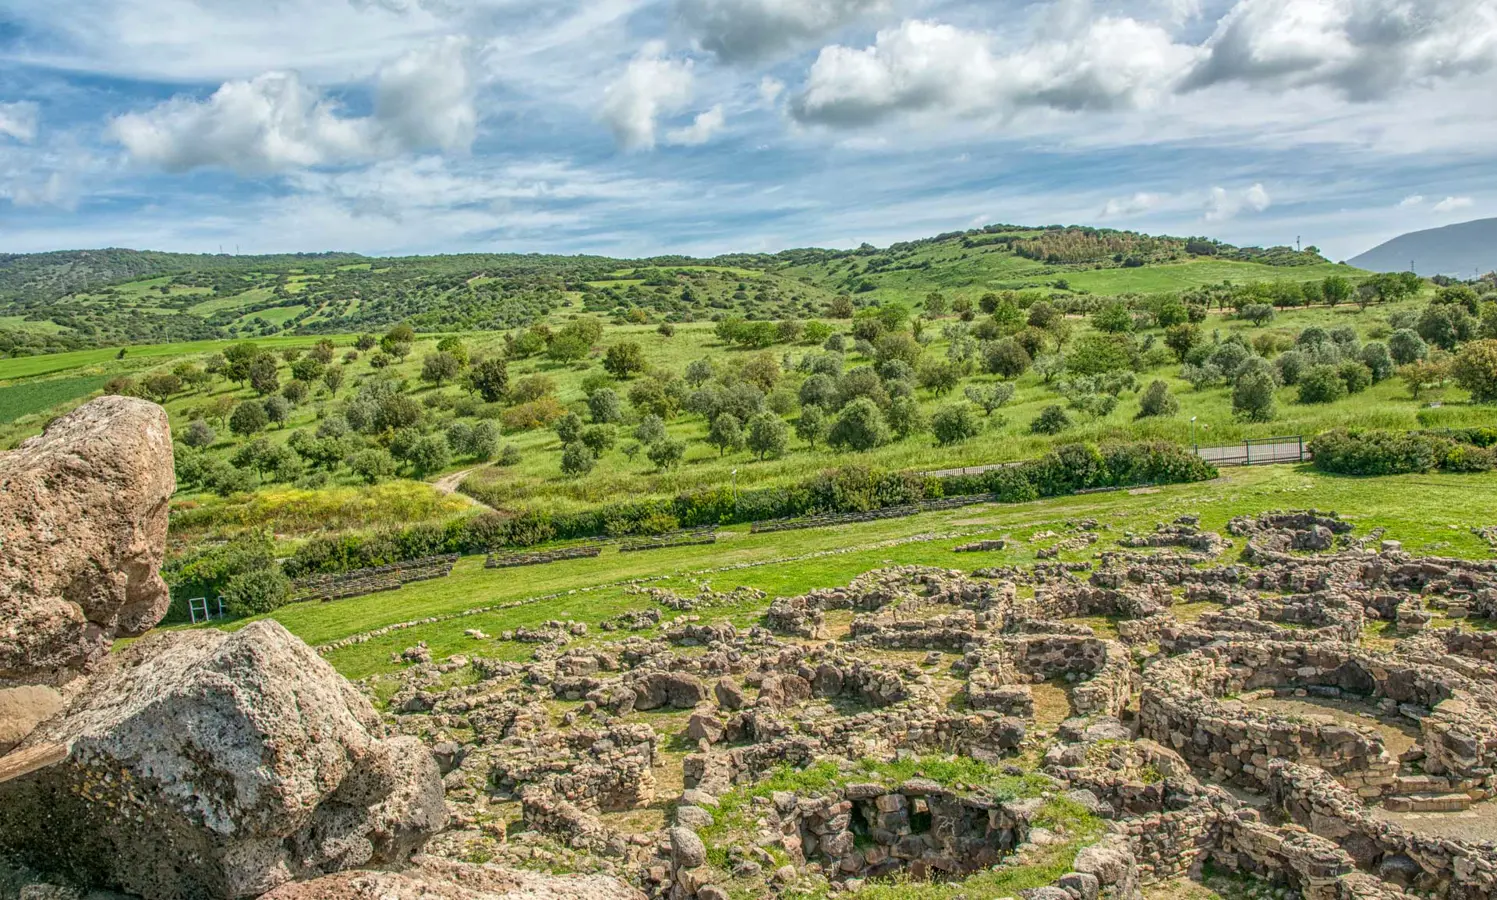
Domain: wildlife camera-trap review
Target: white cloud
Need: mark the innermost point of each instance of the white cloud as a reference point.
(1365, 49)
(749, 30)
(702, 129)
(920, 66)
(57, 189)
(1223, 204)
(649, 88)
(1451, 204)
(1411, 200)
(18, 121)
(276, 122)
(770, 90)
(1126, 207)
(425, 98)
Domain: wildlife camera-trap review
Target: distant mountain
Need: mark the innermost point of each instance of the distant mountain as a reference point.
(1460, 251)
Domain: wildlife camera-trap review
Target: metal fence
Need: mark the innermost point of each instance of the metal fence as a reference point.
(1261, 452)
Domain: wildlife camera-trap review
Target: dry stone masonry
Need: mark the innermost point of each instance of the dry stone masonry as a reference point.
(1296, 704)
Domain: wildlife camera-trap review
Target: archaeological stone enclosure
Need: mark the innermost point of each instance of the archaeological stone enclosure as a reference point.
(1289, 700)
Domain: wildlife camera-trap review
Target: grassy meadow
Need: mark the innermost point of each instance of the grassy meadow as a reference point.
(1432, 514)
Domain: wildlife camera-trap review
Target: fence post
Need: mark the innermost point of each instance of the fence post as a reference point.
(1247, 448)
(1301, 448)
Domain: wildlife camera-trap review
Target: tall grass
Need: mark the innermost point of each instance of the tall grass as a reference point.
(291, 512)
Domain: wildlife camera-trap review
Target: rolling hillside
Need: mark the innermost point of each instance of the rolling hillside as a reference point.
(76, 300)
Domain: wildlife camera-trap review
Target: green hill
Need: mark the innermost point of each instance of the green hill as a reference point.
(73, 300)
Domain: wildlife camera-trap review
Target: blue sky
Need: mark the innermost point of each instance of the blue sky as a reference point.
(635, 127)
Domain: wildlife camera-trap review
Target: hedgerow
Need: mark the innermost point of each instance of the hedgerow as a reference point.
(1070, 468)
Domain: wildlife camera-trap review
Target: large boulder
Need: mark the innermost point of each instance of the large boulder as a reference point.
(83, 513)
(213, 765)
(438, 879)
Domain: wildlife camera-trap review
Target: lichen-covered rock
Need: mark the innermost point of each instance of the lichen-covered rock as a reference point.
(437, 879)
(205, 764)
(83, 512)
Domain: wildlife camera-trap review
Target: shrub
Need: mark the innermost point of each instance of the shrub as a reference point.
(768, 435)
(1407, 346)
(373, 465)
(860, 426)
(1157, 401)
(1098, 353)
(1291, 367)
(249, 418)
(904, 416)
(257, 591)
(577, 459)
(1356, 376)
(726, 434)
(1379, 361)
(1253, 397)
(1051, 420)
(1322, 384)
(1475, 369)
(667, 453)
(624, 360)
(812, 425)
(1007, 359)
(1374, 452)
(569, 427)
(537, 414)
(199, 434)
(509, 455)
(954, 424)
(991, 397)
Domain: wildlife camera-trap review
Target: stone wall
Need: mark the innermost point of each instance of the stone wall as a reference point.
(1455, 869)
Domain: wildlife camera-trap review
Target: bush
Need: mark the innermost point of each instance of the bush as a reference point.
(1051, 420)
(1475, 369)
(1322, 384)
(1253, 397)
(954, 424)
(536, 414)
(667, 453)
(577, 459)
(860, 426)
(199, 434)
(1407, 347)
(768, 435)
(1355, 376)
(1346, 452)
(1007, 359)
(257, 591)
(1158, 401)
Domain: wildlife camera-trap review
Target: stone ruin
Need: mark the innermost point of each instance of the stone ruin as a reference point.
(194, 764)
(1171, 731)
(1304, 713)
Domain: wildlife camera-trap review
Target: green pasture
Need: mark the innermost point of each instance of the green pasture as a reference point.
(1432, 514)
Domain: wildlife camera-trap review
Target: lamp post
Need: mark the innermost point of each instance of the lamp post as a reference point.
(735, 488)
(1193, 433)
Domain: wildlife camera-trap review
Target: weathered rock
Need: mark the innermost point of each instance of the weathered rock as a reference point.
(83, 515)
(729, 695)
(438, 879)
(22, 709)
(205, 764)
(687, 850)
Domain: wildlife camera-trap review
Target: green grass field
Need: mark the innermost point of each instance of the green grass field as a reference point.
(25, 399)
(1432, 514)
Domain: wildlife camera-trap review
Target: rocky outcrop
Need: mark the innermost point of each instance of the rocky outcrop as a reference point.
(437, 879)
(204, 764)
(83, 514)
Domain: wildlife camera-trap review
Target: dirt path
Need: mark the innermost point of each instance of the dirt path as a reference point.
(449, 484)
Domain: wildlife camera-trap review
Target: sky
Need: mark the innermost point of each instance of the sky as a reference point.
(641, 127)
